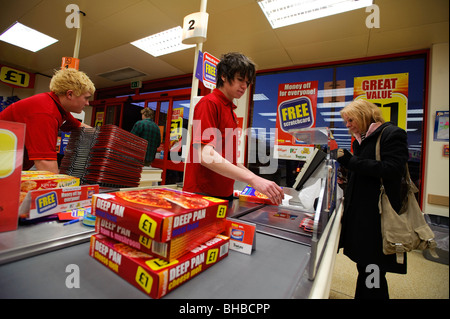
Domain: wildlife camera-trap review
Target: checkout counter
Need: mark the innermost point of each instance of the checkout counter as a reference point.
(287, 262)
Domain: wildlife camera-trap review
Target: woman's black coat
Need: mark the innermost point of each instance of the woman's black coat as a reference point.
(361, 223)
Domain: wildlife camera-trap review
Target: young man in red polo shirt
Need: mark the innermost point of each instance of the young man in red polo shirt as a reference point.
(46, 113)
(212, 167)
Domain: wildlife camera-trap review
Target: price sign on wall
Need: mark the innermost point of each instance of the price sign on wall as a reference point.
(389, 92)
(16, 78)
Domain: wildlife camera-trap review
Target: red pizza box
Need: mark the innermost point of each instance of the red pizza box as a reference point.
(159, 213)
(170, 250)
(44, 202)
(154, 276)
(249, 194)
(12, 137)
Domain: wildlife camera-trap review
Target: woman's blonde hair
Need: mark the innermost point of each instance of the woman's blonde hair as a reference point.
(364, 112)
(71, 79)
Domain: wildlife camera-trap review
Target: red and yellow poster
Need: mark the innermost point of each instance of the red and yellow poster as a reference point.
(176, 129)
(12, 138)
(389, 92)
(296, 110)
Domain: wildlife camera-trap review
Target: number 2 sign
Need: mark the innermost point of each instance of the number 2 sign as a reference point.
(195, 28)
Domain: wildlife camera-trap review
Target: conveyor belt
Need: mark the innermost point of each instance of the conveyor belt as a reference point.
(279, 222)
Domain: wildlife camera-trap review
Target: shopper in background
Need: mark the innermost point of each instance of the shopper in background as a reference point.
(212, 167)
(46, 113)
(147, 129)
(361, 236)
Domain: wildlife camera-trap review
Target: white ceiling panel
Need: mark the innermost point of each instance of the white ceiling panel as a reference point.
(234, 25)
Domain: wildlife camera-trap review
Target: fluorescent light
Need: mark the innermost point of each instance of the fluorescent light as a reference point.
(267, 114)
(281, 13)
(260, 97)
(163, 43)
(335, 92)
(26, 38)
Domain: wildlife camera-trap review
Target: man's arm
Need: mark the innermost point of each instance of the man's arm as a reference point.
(215, 162)
(47, 165)
(85, 125)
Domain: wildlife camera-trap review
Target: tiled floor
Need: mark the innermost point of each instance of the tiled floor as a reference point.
(425, 279)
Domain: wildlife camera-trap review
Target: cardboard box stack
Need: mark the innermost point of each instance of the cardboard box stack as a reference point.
(157, 239)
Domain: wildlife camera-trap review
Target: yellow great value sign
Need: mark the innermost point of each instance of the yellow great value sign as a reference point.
(389, 92)
(16, 78)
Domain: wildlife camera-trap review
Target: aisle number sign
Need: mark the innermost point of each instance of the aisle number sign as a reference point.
(70, 63)
(389, 92)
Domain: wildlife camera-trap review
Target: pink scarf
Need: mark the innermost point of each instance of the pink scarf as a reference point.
(371, 129)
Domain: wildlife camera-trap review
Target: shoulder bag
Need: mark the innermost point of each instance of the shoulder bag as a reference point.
(408, 229)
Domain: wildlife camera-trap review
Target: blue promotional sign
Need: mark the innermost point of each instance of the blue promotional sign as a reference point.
(209, 70)
(296, 114)
(46, 202)
(198, 70)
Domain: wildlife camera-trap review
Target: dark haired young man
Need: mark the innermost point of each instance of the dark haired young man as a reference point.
(212, 167)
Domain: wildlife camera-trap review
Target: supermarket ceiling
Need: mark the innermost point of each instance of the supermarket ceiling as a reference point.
(234, 25)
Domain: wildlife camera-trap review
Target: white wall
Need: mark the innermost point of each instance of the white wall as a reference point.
(40, 85)
(436, 180)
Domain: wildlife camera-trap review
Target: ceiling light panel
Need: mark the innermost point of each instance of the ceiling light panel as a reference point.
(26, 38)
(282, 13)
(122, 74)
(162, 43)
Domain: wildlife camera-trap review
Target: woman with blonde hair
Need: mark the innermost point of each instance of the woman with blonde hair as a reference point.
(361, 237)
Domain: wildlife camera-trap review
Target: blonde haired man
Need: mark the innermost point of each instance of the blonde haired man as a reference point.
(46, 113)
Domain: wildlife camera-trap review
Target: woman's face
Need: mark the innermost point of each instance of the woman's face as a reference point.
(351, 124)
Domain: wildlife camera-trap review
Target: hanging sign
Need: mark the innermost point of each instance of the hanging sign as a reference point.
(136, 84)
(70, 63)
(389, 92)
(209, 70)
(16, 78)
(297, 103)
(195, 28)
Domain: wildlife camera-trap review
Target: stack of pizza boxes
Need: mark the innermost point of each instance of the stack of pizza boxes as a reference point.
(158, 238)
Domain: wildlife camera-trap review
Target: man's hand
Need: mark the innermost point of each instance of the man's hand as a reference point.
(268, 188)
(215, 162)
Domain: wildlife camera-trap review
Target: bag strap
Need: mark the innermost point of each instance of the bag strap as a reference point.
(411, 185)
(377, 151)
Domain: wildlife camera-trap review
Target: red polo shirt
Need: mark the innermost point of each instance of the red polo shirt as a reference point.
(214, 123)
(43, 116)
